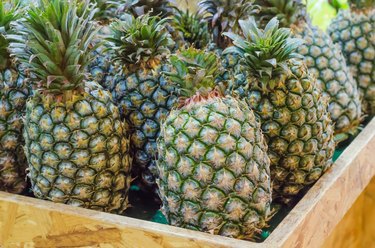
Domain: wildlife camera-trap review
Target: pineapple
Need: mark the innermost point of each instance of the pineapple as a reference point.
(76, 144)
(289, 105)
(13, 95)
(213, 164)
(324, 60)
(140, 46)
(189, 30)
(354, 31)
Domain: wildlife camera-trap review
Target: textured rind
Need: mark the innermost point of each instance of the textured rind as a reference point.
(297, 127)
(354, 32)
(214, 169)
(145, 98)
(13, 95)
(101, 69)
(326, 62)
(78, 151)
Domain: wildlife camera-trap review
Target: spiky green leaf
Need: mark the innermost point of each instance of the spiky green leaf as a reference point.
(265, 53)
(54, 42)
(194, 71)
(140, 41)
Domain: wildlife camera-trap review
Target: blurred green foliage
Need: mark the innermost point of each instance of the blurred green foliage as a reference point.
(323, 11)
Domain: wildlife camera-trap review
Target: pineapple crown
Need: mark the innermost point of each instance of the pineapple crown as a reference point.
(137, 8)
(224, 15)
(265, 53)
(193, 30)
(105, 11)
(289, 12)
(141, 42)
(54, 44)
(194, 71)
(9, 12)
(362, 4)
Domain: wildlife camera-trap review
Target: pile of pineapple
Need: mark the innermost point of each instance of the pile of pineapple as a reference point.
(221, 113)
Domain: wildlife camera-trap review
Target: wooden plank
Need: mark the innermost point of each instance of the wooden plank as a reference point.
(31, 222)
(368, 216)
(323, 207)
(357, 228)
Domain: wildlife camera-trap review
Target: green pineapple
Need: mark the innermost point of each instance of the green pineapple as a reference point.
(324, 60)
(213, 164)
(189, 30)
(354, 31)
(76, 144)
(289, 105)
(13, 95)
(141, 48)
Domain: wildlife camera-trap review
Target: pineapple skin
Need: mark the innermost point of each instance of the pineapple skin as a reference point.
(354, 32)
(297, 126)
(144, 98)
(327, 64)
(78, 151)
(101, 69)
(214, 169)
(13, 95)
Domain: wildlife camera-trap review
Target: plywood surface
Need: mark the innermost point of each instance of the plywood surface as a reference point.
(28, 222)
(357, 228)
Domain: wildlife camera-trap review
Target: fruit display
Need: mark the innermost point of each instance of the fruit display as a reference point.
(76, 145)
(354, 31)
(324, 60)
(218, 118)
(13, 94)
(213, 163)
(140, 46)
(289, 105)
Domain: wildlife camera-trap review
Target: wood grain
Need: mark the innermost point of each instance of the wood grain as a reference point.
(28, 222)
(357, 228)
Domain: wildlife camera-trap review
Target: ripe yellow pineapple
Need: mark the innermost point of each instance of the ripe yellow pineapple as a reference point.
(285, 98)
(324, 60)
(76, 145)
(213, 164)
(140, 47)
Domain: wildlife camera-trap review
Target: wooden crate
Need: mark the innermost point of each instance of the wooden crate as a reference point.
(29, 222)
